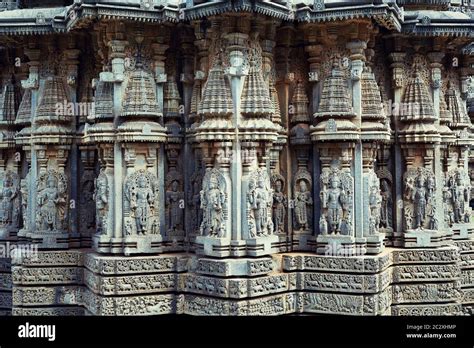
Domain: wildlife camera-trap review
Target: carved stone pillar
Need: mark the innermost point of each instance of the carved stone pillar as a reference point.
(337, 135)
(24, 120)
(397, 66)
(236, 195)
(420, 138)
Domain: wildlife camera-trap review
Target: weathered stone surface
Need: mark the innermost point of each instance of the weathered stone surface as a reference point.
(184, 158)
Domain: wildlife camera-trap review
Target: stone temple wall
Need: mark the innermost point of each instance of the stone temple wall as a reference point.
(236, 157)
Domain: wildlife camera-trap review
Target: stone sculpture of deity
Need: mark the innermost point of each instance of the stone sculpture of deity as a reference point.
(336, 201)
(385, 206)
(419, 190)
(456, 195)
(24, 200)
(260, 201)
(420, 201)
(333, 199)
(8, 194)
(375, 202)
(51, 202)
(279, 204)
(303, 203)
(174, 200)
(213, 204)
(101, 202)
(142, 203)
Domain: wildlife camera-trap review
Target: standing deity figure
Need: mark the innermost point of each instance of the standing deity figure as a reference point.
(141, 204)
(303, 203)
(259, 203)
(101, 202)
(7, 196)
(24, 200)
(279, 206)
(212, 202)
(50, 204)
(459, 195)
(375, 200)
(174, 199)
(420, 201)
(385, 204)
(334, 199)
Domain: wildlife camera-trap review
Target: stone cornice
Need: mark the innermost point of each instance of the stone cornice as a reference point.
(438, 23)
(388, 15)
(218, 7)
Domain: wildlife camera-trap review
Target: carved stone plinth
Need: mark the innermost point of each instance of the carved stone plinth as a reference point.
(232, 267)
(375, 243)
(48, 283)
(337, 245)
(262, 246)
(422, 238)
(216, 247)
(463, 231)
(466, 251)
(138, 285)
(46, 240)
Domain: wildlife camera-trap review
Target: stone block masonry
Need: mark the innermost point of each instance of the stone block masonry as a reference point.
(236, 157)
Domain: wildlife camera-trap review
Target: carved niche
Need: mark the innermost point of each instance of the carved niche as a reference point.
(194, 201)
(141, 208)
(456, 197)
(303, 201)
(336, 202)
(375, 203)
(386, 212)
(214, 204)
(174, 203)
(24, 190)
(101, 196)
(9, 199)
(87, 206)
(419, 204)
(280, 203)
(51, 201)
(259, 204)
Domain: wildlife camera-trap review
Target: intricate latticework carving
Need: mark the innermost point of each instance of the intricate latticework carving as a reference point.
(299, 105)
(457, 109)
(140, 95)
(256, 99)
(335, 98)
(104, 103)
(216, 99)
